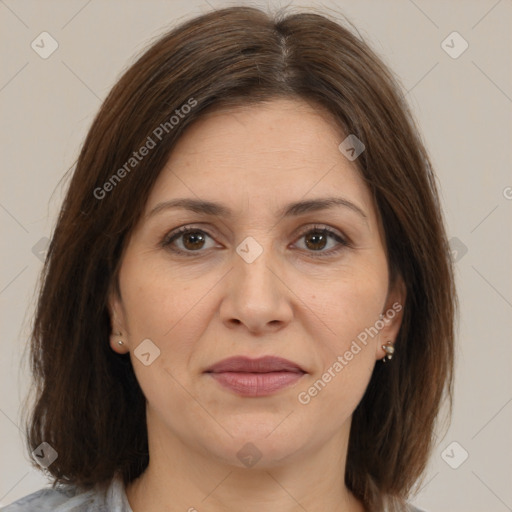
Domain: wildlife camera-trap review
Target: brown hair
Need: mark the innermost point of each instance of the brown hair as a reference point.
(88, 405)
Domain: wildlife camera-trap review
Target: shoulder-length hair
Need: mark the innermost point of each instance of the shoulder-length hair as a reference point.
(88, 404)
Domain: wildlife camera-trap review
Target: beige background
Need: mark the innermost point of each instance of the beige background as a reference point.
(464, 108)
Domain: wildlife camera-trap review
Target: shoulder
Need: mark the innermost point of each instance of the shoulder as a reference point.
(67, 498)
(43, 500)
(412, 508)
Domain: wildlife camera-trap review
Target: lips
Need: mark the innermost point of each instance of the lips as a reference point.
(267, 364)
(255, 377)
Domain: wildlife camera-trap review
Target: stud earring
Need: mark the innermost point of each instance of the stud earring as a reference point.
(389, 349)
(120, 342)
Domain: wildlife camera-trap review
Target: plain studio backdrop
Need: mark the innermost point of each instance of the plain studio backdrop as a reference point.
(453, 58)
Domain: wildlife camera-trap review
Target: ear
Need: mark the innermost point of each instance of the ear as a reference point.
(118, 330)
(392, 316)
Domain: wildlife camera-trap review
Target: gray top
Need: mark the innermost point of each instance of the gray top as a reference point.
(65, 498)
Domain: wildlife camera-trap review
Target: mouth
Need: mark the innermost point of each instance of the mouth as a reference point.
(256, 377)
(265, 364)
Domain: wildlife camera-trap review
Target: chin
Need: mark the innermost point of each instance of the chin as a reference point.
(252, 447)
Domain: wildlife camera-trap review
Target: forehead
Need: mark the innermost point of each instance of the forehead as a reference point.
(280, 126)
(266, 154)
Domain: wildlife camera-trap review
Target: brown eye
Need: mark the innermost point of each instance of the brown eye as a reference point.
(318, 238)
(187, 240)
(193, 240)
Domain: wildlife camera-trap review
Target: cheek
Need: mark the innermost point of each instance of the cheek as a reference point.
(159, 310)
(164, 307)
(350, 307)
(354, 302)
(155, 299)
(347, 352)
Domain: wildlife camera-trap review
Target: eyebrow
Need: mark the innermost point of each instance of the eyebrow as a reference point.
(289, 210)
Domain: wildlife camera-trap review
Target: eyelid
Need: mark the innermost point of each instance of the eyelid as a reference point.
(323, 227)
(343, 242)
(333, 233)
(177, 232)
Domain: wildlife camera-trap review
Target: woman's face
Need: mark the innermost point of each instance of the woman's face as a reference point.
(250, 282)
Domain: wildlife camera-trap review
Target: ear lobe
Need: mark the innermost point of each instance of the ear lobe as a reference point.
(118, 331)
(392, 316)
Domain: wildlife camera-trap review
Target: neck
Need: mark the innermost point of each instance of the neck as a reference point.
(180, 477)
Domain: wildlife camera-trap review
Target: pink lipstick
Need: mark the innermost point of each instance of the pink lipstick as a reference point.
(256, 377)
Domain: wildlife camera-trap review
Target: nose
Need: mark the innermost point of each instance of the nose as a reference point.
(256, 295)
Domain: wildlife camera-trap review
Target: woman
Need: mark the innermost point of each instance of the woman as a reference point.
(248, 299)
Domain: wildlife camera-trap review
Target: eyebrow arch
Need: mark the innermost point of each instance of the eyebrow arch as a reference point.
(289, 210)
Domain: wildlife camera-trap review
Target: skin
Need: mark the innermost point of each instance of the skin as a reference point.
(212, 305)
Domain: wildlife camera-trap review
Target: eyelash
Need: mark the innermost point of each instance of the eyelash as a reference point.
(343, 243)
